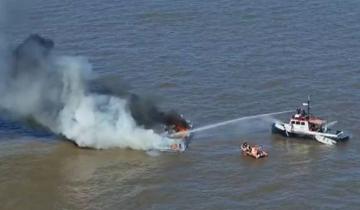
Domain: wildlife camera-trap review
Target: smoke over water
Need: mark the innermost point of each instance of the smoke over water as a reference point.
(54, 92)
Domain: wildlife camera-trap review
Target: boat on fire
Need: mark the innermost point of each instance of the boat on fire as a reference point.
(306, 125)
(176, 135)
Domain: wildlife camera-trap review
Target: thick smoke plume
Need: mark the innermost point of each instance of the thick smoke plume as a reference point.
(143, 110)
(54, 92)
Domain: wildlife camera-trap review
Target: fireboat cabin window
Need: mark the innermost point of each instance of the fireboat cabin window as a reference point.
(297, 122)
(302, 123)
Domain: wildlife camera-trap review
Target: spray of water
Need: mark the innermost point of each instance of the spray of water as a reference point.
(215, 125)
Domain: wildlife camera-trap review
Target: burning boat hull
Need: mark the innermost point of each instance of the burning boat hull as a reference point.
(171, 145)
(175, 141)
(177, 135)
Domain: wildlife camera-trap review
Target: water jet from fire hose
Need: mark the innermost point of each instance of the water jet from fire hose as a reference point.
(215, 125)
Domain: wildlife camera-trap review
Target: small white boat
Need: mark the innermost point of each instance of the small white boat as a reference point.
(305, 125)
(173, 145)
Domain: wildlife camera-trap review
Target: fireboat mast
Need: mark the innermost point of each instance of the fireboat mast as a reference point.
(308, 103)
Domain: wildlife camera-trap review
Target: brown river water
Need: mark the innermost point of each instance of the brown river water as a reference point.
(212, 61)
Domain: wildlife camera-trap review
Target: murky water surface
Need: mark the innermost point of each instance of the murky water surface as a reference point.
(212, 61)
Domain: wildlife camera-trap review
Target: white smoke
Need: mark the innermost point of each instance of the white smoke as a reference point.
(98, 121)
(53, 91)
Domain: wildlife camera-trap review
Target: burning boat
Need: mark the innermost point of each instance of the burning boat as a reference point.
(172, 126)
(176, 129)
(305, 125)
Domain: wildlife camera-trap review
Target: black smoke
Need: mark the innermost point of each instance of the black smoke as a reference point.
(30, 55)
(144, 110)
(32, 67)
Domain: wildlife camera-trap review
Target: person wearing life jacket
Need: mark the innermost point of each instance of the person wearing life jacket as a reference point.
(253, 151)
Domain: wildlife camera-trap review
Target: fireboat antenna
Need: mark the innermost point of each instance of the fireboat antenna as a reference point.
(308, 102)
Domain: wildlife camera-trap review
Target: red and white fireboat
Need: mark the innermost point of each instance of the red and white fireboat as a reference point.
(305, 125)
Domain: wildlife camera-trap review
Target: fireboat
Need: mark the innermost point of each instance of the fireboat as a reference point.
(305, 125)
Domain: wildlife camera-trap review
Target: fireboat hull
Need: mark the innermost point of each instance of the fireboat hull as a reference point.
(276, 129)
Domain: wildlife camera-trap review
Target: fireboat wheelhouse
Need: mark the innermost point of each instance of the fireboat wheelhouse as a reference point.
(305, 125)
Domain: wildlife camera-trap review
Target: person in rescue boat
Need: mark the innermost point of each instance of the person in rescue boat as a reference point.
(254, 151)
(303, 113)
